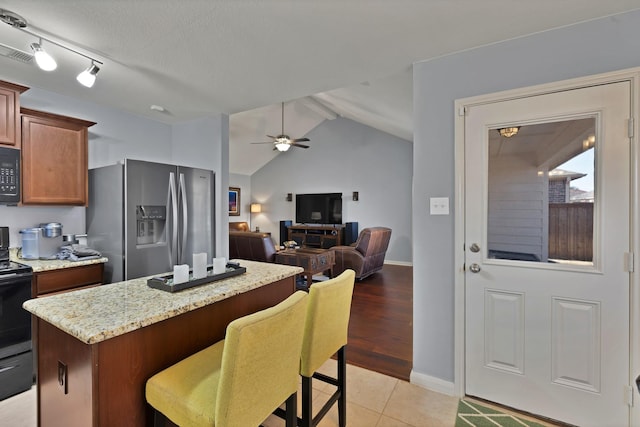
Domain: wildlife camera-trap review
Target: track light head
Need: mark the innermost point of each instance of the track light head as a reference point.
(43, 59)
(88, 77)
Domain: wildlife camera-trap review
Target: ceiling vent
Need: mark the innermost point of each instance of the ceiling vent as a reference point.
(15, 54)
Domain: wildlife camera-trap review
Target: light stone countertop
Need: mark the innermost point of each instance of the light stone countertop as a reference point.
(97, 314)
(39, 265)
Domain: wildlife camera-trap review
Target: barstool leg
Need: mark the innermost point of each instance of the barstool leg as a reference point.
(159, 420)
(342, 386)
(291, 411)
(307, 409)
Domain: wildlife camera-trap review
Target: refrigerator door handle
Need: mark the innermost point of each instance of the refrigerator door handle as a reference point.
(185, 218)
(172, 206)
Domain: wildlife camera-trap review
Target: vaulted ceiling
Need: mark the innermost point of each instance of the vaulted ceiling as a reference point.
(196, 58)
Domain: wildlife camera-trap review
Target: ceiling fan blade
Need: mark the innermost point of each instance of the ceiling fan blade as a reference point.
(269, 142)
(300, 145)
(272, 137)
(301, 140)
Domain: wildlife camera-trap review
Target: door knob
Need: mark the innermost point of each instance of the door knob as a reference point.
(474, 247)
(475, 268)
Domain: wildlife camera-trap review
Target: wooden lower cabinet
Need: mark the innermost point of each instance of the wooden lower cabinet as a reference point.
(66, 279)
(103, 384)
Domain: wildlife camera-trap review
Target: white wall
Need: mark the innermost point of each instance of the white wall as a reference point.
(204, 144)
(594, 47)
(115, 135)
(344, 156)
(118, 135)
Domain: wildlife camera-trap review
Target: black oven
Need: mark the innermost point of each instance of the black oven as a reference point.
(16, 359)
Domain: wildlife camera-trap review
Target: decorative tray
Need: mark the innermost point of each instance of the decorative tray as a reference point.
(165, 282)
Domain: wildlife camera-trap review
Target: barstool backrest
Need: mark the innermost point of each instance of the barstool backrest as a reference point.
(327, 322)
(260, 362)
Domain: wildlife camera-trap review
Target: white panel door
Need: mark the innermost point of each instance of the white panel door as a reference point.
(546, 284)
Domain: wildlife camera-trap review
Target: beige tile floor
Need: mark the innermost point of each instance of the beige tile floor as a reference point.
(373, 400)
(376, 400)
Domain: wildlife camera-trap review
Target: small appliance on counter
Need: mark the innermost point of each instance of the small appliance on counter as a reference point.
(74, 239)
(42, 242)
(30, 238)
(51, 240)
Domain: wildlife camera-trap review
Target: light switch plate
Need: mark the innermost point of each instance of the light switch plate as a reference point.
(439, 205)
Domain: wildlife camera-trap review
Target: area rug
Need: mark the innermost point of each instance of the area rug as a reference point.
(472, 414)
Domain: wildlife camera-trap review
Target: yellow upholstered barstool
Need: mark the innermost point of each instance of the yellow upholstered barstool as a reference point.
(325, 334)
(240, 380)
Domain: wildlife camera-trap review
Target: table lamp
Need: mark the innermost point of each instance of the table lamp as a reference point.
(256, 208)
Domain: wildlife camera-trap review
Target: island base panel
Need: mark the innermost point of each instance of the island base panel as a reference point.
(105, 381)
(64, 395)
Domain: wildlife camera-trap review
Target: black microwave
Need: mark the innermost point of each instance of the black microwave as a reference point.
(9, 176)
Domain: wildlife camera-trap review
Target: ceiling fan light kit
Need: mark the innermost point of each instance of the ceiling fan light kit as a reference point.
(282, 146)
(43, 59)
(282, 142)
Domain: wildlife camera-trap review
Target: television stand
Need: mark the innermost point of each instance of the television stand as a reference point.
(316, 236)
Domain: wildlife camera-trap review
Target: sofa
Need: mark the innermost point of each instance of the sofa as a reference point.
(239, 226)
(366, 255)
(251, 246)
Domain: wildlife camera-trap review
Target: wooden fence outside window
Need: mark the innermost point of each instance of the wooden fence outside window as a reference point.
(571, 231)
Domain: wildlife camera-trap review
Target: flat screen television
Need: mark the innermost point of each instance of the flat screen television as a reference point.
(322, 208)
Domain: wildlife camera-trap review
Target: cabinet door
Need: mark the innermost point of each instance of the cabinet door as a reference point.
(54, 160)
(10, 113)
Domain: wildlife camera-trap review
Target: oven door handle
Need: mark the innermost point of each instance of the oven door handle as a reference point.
(8, 368)
(13, 277)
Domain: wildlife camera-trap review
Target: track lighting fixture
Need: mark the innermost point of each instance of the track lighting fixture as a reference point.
(44, 60)
(88, 77)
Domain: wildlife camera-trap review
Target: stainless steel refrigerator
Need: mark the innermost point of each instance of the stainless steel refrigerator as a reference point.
(147, 217)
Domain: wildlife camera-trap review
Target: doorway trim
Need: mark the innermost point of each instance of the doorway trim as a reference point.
(461, 105)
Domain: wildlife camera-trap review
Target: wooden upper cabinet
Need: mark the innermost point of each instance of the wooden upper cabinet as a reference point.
(54, 159)
(10, 113)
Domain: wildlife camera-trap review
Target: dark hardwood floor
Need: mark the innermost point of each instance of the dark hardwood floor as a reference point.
(381, 324)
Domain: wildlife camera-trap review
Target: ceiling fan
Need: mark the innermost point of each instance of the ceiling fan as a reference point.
(282, 142)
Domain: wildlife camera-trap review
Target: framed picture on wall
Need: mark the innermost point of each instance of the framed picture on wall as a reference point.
(234, 201)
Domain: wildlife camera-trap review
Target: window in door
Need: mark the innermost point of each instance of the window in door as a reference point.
(541, 192)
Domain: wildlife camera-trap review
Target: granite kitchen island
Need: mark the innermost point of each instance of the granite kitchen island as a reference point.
(98, 346)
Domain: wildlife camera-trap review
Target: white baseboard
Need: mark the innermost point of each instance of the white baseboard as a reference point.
(405, 263)
(432, 383)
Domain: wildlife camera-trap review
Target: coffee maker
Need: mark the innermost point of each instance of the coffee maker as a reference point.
(4, 247)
